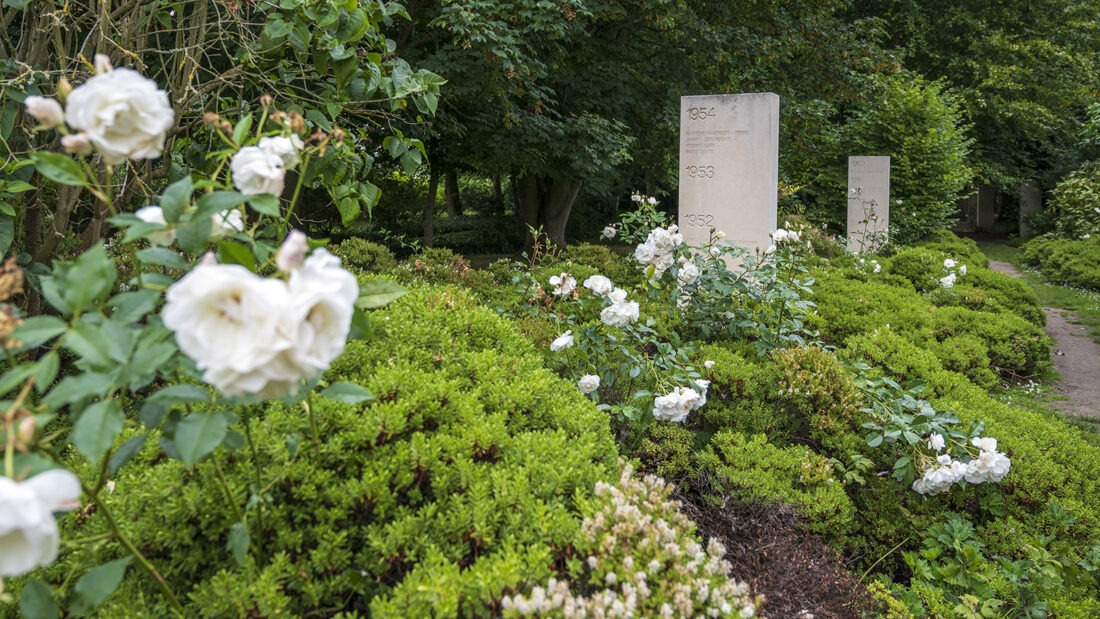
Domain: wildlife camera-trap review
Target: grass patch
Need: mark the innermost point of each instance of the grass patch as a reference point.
(1085, 304)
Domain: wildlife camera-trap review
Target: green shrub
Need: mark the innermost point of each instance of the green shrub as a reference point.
(1016, 347)
(921, 128)
(965, 251)
(1075, 200)
(819, 397)
(457, 482)
(742, 394)
(364, 255)
(1074, 263)
(847, 306)
(921, 266)
(439, 265)
(620, 269)
(750, 469)
(989, 291)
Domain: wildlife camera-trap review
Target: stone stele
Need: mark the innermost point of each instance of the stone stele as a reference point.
(729, 167)
(868, 203)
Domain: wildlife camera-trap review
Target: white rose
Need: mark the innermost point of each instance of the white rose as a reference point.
(618, 295)
(46, 111)
(292, 252)
(609, 232)
(563, 284)
(645, 253)
(651, 201)
(565, 340)
(588, 383)
(257, 171)
(224, 224)
(949, 263)
(227, 319)
(600, 285)
(620, 314)
(962, 270)
(154, 215)
(770, 249)
(124, 115)
(285, 148)
(689, 274)
(670, 407)
(779, 236)
(935, 441)
(984, 443)
(322, 301)
(708, 364)
(77, 143)
(948, 281)
(28, 532)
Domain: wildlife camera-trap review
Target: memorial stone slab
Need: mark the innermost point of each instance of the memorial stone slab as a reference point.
(1031, 202)
(729, 167)
(868, 203)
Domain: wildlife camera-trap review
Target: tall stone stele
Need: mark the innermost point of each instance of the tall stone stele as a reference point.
(868, 203)
(729, 167)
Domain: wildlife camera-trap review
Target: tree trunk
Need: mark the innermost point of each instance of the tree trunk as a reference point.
(498, 195)
(429, 207)
(543, 205)
(450, 194)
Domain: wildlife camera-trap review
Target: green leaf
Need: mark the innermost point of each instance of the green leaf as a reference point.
(90, 343)
(162, 256)
(39, 329)
(97, 585)
(36, 601)
(132, 306)
(175, 199)
(348, 393)
(232, 252)
(242, 129)
(95, 431)
(198, 434)
(181, 394)
(349, 209)
(7, 232)
(265, 203)
(194, 236)
(86, 279)
(379, 293)
(46, 371)
(125, 452)
(77, 387)
(59, 168)
(239, 541)
(216, 202)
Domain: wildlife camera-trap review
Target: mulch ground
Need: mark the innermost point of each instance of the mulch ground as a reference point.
(799, 575)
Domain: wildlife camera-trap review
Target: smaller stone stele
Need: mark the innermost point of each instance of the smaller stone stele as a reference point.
(868, 203)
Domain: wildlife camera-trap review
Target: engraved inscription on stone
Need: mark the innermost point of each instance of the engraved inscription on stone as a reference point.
(868, 203)
(729, 154)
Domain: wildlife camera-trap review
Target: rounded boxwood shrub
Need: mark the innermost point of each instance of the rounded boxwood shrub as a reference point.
(1016, 347)
(457, 483)
(361, 254)
(1073, 263)
(820, 396)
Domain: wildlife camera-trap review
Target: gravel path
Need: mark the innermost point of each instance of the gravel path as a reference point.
(1076, 357)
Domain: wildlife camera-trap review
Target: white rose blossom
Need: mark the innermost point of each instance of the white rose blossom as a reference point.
(123, 114)
(563, 341)
(563, 284)
(285, 148)
(688, 274)
(962, 270)
(935, 441)
(253, 335)
(292, 252)
(257, 171)
(588, 383)
(28, 532)
(620, 313)
(46, 111)
(609, 232)
(224, 224)
(708, 364)
(949, 263)
(599, 285)
(155, 215)
(76, 143)
(948, 281)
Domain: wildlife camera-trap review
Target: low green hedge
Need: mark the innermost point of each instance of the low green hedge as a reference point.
(456, 484)
(1073, 263)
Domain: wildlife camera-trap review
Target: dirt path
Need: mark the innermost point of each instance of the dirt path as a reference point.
(1076, 357)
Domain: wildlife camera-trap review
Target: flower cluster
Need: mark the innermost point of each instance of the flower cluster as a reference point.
(989, 465)
(640, 549)
(621, 312)
(563, 284)
(28, 532)
(871, 265)
(949, 266)
(659, 250)
(117, 112)
(221, 224)
(680, 401)
(261, 169)
(781, 236)
(263, 336)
